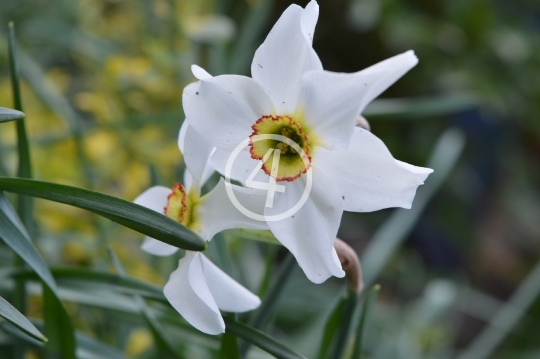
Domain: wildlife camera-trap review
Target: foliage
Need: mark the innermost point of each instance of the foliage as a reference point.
(101, 82)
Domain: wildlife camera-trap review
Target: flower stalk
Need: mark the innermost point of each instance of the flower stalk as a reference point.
(350, 264)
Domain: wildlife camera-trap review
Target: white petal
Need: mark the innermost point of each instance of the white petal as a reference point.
(369, 177)
(310, 233)
(242, 166)
(422, 172)
(222, 109)
(228, 294)
(189, 294)
(182, 135)
(309, 19)
(332, 101)
(389, 71)
(154, 198)
(157, 248)
(217, 212)
(196, 150)
(286, 55)
(200, 73)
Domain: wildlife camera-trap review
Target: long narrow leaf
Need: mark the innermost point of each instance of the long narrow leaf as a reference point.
(344, 330)
(12, 232)
(161, 340)
(259, 339)
(24, 205)
(12, 315)
(58, 327)
(58, 324)
(485, 344)
(23, 147)
(107, 281)
(87, 346)
(128, 214)
(366, 310)
(266, 312)
(7, 114)
(330, 328)
(418, 108)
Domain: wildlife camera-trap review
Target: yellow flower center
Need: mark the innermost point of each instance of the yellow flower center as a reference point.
(181, 206)
(292, 162)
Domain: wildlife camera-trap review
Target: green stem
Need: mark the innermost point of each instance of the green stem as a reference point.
(24, 170)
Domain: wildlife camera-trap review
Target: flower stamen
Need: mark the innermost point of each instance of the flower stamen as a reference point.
(291, 163)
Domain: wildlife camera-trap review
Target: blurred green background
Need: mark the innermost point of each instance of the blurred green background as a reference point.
(102, 85)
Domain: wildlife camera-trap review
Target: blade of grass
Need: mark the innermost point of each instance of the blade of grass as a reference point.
(345, 327)
(87, 346)
(330, 328)
(7, 114)
(248, 39)
(58, 326)
(262, 317)
(128, 214)
(107, 281)
(12, 315)
(164, 347)
(485, 344)
(229, 348)
(366, 310)
(419, 108)
(13, 233)
(260, 339)
(23, 147)
(253, 234)
(389, 237)
(24, 205)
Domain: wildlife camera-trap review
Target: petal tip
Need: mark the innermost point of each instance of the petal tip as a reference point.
(199, 72)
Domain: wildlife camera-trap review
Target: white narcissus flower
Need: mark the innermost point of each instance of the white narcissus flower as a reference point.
(198, 289)
(291, 95)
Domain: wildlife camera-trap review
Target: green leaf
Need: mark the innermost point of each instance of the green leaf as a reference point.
(14, 67)
(23, 147)
(87, 346)
(344, 329)
(358, 344)
(7, 114)
(12, 315)
(330, 328)
(58, 326)
(131, 215)
(502, 323)
(162, 343)
(229, 347)
(266, 311)
(13, 233)
(253, 234)
(251, 31)
(389, 237)
(107, 281)
(260, 339)
(418, 108)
